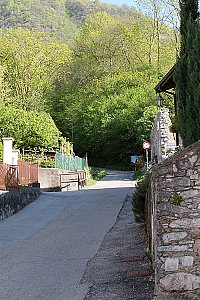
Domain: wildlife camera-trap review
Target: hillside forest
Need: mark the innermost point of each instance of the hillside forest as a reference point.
(86, 71)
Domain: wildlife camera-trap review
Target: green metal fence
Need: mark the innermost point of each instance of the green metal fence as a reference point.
(70, 163)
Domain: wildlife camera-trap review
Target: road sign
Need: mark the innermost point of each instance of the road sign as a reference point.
(146, 145)
(133, 159)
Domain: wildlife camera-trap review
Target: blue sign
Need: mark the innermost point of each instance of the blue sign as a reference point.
(133, 159)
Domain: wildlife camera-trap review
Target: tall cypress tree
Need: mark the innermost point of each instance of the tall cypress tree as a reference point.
(187, 73)
(193, 84)
(188, 10)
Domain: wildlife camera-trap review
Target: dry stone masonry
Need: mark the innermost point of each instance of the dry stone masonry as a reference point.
(174, 230)
(163, 141)
(12, 202)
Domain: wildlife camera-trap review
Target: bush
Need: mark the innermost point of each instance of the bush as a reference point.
(29, 129)
(139, 175)
(139, 197)
(94, 175)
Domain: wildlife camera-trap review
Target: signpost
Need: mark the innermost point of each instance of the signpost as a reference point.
(147, 146)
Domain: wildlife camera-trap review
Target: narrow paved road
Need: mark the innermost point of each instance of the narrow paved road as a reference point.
(45, 248)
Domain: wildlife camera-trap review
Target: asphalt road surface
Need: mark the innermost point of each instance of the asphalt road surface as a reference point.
(45, 248)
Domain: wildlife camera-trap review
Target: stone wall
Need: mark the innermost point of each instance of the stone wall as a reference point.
(162, 140)
(174, 225)
(12, 202)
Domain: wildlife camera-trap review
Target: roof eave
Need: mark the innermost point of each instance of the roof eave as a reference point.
(166, 82)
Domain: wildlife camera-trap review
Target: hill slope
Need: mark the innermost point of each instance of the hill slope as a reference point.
(61, 17)
(46, 15)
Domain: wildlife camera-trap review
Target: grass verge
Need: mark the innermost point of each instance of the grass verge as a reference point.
(95, 175)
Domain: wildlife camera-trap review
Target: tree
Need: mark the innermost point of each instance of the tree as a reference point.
(188, 10)
(161, 27)
(5, 91)
(29, 129)
(111, 85)
(107, 45)
(43, 16)
(187, 73)
(106, 117)
(144, 124)
(97, 49)
(32, 63)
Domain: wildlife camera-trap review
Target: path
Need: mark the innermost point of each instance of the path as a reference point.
(46, 247)
(120, 270)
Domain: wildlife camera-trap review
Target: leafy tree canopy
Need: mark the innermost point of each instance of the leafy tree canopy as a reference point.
(31, 64)
(107, 45)
(100, 90)
(29, 129)
(48, 15)
(59, 17)
(111, 87)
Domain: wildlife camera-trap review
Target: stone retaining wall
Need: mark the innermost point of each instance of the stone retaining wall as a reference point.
(174, 225)
(12, 202)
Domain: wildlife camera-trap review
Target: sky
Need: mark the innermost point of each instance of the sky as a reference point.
(119, 2)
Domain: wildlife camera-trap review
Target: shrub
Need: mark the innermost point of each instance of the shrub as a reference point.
(94, 175)
(138, 200)
(139, 175)
(29, 129)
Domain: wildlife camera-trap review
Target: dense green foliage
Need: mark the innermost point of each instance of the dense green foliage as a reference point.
(139, 197)
(99, 90)
(49, 15)
(81, 10)
(139, 175)
(29, 129)
(31, 64)
(94, 175)
(107, 45)
(108, 128)
(109, 105)
(187, 74)
(59, 17)
(188, 9)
